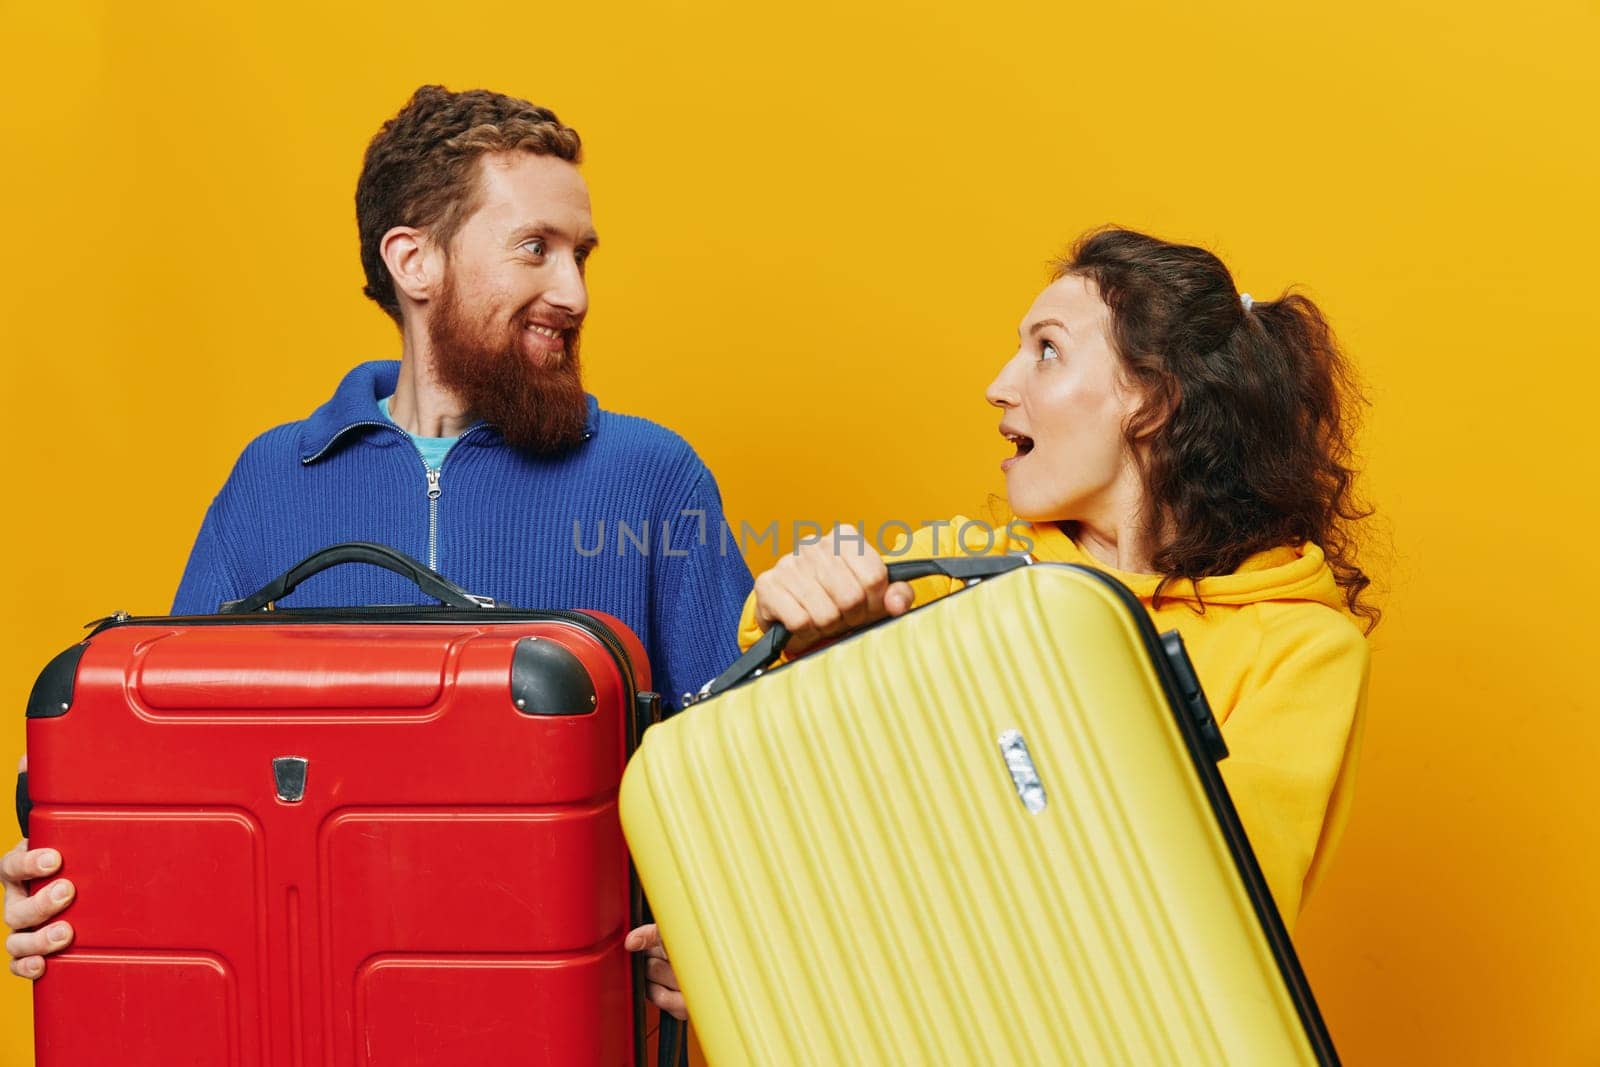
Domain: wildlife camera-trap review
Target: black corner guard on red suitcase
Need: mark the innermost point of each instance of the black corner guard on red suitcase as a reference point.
(52, 691)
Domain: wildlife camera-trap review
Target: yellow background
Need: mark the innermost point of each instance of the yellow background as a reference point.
(822, 222)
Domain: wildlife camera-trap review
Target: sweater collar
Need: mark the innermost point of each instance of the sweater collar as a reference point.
(355, 404)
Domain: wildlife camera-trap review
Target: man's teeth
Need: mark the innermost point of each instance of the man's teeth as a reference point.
(545, 331)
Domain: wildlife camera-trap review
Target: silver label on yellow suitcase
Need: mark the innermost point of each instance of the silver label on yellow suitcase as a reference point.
(1023, 773)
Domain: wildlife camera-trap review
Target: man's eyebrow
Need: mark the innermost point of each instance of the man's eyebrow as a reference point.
(590, 239)
(1042, 323)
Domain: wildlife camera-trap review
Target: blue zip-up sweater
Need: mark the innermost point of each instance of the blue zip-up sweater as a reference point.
(629, 522)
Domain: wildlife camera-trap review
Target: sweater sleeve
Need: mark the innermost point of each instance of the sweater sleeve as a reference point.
(1293, 736)
(213, 572)
(696, 595)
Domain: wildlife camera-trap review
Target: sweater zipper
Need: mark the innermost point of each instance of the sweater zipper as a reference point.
(433, 514)
(434, 475)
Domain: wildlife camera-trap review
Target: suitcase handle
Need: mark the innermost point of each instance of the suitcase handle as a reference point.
(430, 582)
(24, 802)
(765, 652)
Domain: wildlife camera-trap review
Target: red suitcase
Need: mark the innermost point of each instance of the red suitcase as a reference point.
(380, 836)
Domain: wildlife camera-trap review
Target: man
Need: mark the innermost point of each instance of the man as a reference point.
(479, 451)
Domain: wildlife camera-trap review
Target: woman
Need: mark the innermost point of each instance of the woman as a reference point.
(1196, 445)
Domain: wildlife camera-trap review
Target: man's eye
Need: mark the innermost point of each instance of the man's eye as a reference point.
(582, 255)
(535, 246)
(1048, 351)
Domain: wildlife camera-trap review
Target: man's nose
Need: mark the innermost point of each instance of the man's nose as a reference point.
(568, 290)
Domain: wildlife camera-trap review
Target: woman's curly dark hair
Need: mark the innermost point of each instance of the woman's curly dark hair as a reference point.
(1247, 429)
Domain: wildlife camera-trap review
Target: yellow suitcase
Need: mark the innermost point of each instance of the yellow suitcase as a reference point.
(991, 831)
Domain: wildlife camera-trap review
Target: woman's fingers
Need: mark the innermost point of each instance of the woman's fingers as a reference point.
(899, 598)
(826, 588)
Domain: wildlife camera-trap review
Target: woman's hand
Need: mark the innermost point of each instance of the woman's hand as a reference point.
(827, 588)
(661, 984)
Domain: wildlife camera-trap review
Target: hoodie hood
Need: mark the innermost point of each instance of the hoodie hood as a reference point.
(1298, 572)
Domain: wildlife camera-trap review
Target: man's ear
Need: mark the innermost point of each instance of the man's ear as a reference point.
(413, 262)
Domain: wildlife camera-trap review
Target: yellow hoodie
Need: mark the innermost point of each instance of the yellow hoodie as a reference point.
(1283, 665)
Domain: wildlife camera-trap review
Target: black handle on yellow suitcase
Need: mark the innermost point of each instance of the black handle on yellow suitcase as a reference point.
(765, 652)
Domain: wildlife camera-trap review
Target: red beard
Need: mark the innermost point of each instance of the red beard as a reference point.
(539, 409)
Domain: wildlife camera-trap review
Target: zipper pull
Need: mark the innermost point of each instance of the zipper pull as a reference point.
(433, 484)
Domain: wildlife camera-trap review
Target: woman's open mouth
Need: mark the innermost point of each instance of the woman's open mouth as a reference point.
(1024, 445)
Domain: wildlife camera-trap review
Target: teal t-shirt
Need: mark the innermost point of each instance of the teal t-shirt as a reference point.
(432, 449)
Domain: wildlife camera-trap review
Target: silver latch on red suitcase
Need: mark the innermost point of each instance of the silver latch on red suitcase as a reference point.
(289, 775)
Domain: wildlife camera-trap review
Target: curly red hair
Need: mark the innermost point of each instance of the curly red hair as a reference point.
(421, 168)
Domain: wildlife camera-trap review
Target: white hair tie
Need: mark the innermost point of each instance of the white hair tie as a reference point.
(1247, 300)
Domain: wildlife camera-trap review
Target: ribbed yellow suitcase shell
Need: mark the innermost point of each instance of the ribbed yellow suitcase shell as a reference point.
(845, 873)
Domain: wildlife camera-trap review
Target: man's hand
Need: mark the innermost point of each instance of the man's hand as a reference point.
(661, 984)
(33, 940)
(827, 588)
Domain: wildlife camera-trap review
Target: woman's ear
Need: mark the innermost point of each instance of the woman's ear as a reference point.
(1154, 403)
(413, 262)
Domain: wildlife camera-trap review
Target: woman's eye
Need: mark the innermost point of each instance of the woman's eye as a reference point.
(1048, 351)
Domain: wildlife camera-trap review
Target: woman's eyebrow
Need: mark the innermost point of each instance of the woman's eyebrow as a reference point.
(1042, 323)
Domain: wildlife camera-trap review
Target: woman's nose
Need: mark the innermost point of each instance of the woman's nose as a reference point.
(1001, 393)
